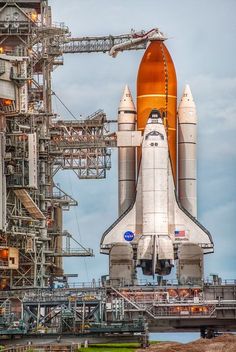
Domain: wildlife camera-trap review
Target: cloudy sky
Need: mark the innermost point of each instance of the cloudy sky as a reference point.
(202, 42)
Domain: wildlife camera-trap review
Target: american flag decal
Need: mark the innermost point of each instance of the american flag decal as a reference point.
(180, 233)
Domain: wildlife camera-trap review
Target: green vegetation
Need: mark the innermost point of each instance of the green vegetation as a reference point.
(111, 347)
(107, 349)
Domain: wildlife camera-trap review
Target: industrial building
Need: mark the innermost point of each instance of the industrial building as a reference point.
(35, 145)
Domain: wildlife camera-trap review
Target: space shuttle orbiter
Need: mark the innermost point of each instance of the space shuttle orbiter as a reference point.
(157, 178)
(156, 223)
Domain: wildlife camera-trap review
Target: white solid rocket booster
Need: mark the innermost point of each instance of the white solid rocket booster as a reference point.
(187, 165)
(126, 155)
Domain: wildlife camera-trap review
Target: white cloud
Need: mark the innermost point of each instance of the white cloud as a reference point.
(217, 105)
(219, 221)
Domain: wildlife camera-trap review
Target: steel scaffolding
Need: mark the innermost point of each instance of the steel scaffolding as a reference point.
(35, 145)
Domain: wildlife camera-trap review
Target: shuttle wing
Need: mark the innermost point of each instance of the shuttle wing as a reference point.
(130, 220)
(116, 232)
(185, 227)
(190, 229)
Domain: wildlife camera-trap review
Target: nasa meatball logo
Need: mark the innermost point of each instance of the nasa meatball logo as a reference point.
(129, 236)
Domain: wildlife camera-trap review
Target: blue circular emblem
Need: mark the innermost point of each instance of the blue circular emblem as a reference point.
(129, 236)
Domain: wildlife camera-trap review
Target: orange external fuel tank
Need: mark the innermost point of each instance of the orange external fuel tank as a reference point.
(157, 88)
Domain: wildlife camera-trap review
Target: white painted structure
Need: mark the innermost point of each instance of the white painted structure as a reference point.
(159, 224)
(155, 241)
(126, 155)
(187, 154)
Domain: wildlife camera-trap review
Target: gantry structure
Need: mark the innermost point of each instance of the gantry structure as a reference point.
(35, 144)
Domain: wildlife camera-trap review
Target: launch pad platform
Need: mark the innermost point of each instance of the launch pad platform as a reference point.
(116, 313)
